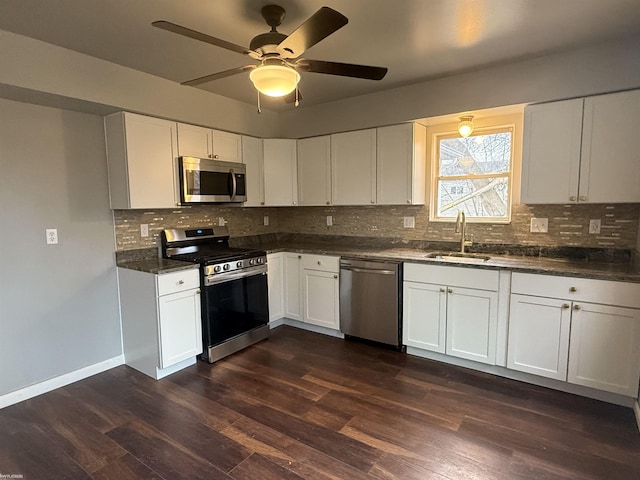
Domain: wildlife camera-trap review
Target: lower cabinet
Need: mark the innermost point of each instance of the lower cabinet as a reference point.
(161, 322)
(567, 329)
(275, 283)
(310, 292)
(451, 310)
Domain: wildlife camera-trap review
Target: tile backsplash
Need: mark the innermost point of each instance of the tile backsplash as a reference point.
(568, 224)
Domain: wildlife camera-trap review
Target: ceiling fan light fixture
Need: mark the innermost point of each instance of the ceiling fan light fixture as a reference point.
(274, 80)
(465, 127)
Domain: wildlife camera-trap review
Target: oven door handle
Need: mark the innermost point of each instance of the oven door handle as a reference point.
(234, 183)
(228, 277)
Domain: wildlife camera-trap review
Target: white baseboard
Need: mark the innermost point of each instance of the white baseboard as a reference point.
(313, 328)
(58, 382)
(276, 323)
(636, 410)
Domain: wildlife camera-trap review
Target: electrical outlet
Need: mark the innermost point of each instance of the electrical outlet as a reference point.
(52, 236)
(594, 225)
(409, 222)
(329, 221)
(144, 229)
(539, 225)
(221, 221)
(265, 220)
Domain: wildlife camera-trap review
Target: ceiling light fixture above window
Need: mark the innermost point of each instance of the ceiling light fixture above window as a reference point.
(465, 127)
(274, 80)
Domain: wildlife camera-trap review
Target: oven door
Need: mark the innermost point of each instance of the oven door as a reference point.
(234, 307)
(210, 181)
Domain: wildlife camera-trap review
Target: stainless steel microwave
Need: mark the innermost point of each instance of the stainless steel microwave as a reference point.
(203, 180)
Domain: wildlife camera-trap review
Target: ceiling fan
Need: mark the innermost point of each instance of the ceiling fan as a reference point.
(277, 74)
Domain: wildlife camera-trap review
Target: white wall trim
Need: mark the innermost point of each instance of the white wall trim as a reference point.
(313, 328)
(58, 382)
(636, 410)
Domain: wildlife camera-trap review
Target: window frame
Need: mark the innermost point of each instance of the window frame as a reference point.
(499, 127)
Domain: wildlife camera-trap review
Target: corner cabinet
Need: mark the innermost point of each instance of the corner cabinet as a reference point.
(202, 142)
(280, 173)
(253, 156)
(353, 168)
(161, 322)
(582, 150)
(141, 157)
(275, 280)
(451, 310)
(583, 331)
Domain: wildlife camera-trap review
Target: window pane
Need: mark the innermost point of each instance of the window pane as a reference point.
(477, 154)
(483, 197)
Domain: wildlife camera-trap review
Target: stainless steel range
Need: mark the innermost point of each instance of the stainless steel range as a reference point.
(235, 305)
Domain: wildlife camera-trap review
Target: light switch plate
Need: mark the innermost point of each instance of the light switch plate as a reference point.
(265, 220)
(539, 225)
(329, 221)
(144, 229)
(52, 236)
(594, 225)
(409, 222)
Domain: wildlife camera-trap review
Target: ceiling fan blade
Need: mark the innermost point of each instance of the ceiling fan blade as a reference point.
(343, 69)
(219, 75)
(317, 27)
(187, 32)
(291, 97)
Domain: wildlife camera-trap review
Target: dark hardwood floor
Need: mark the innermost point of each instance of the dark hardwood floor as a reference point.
(307, 406)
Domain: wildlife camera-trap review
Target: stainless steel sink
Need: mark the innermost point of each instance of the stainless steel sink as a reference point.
(458, 257)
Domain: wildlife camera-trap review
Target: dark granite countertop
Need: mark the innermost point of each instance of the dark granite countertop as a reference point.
(156, 265)
(618, 270)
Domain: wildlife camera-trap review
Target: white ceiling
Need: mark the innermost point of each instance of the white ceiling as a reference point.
(415, 39)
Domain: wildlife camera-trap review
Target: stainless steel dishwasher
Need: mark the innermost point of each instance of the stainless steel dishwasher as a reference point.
(370, 300)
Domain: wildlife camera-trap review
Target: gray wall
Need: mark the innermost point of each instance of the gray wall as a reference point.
(58, 303)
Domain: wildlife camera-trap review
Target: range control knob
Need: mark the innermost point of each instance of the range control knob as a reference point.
(239, 264)
(217, 268)
(260, 260)
(226, 267)
(252, 261)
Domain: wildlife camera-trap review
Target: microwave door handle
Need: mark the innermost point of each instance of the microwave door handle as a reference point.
(234, 184)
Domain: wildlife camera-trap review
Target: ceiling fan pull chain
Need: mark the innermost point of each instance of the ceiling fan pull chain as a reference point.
(297, 100)
(259, 109)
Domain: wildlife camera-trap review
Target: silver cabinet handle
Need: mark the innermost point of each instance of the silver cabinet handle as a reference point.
(198, 292)
(328, 203)
(576, 307)
(373, 201)
(335, 276)
(449, 290)
(180, 282)
(442, 290)
(583, 198)
(573, 289)
(573, 198)
(210, 156)
(299, 257)
(319, 263)
(215, 156)
(565, 305)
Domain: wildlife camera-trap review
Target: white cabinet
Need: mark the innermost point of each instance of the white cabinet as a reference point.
(275, 281)
(451, 310)
(161, 322)
(580, 330)
(201, 142)
(253, 156)
(141, 156)
(353, 168)
(401, 164)
(280, 173)
(292, 286)
(314, 171)
(582, 150)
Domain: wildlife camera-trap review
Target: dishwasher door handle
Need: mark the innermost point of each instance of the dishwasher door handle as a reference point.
(367, 270)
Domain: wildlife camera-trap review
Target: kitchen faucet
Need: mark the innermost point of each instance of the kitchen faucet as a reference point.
(461, 221)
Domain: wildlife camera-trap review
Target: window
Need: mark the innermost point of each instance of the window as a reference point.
(473, 174)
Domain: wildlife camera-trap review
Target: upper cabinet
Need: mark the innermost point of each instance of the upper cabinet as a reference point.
(353, 167)
(582, 150)
(314, 171)
(253, 155)
(141, 155)
(401, 164)
(201, 142)
(280, 177)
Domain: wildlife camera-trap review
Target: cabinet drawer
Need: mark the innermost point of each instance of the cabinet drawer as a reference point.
(178, 281)
(452, 276)
(326, 263)
(577, 289)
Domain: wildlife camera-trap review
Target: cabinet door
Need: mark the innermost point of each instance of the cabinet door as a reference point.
(604, 350)
(314, 171)
(551, 152)
(401, 164)
(610, 168)
(292, 291)
(539, 336)
(321, 297)
(252, 155)
(194, 141)
(353, 168)
(180, 327)
(275, 279)
(424, 316)
(472, 322)
(226, 146)
(280, 177)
